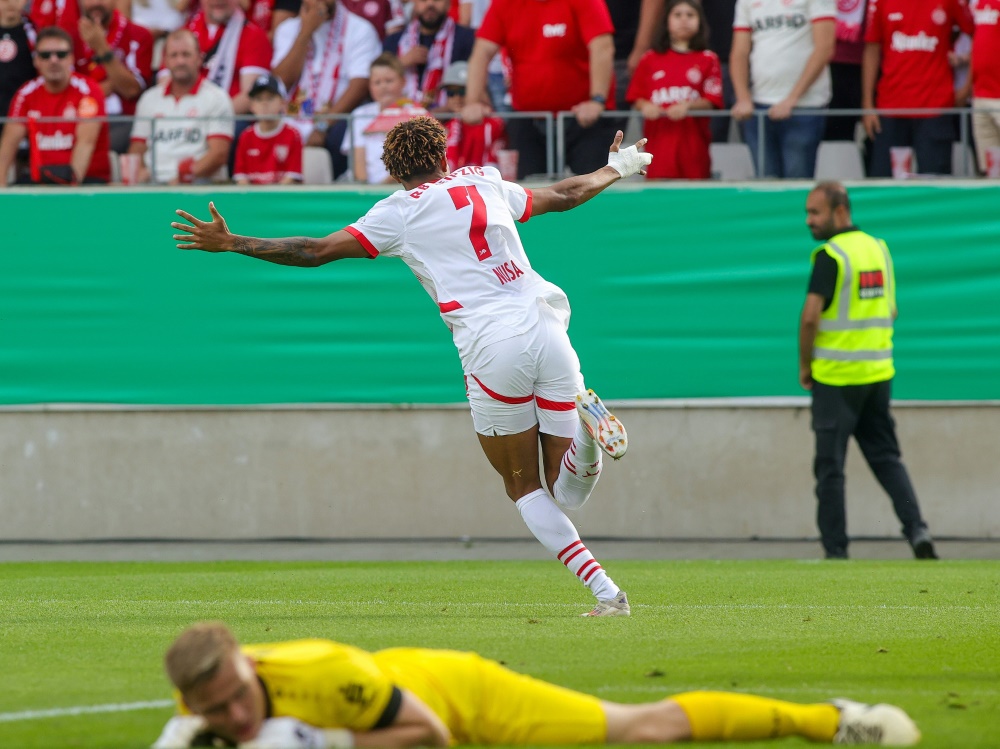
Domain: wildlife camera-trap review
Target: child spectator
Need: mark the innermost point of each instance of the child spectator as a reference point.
(386, 81)
(677, 75)
(270, 151)
(477, 144)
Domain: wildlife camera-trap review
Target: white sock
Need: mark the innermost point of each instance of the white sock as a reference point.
(579, 472)
(557, 533)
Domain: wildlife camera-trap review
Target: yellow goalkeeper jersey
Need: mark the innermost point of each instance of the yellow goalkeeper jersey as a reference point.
(331, 685)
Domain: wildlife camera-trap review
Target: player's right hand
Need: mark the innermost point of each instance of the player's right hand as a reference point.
(179, 732)
(210, 236)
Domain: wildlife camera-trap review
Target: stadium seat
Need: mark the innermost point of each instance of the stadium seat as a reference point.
(731, 161)
(839, 159)
(963, 161)
(317, 168)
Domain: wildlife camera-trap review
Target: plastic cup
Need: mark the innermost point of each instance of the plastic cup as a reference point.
(507, 162)
(128, 164)
(991, 156)
(902, 161)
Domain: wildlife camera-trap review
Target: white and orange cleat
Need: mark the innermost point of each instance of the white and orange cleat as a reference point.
(602, 425)
(617, 606)
(885, 725)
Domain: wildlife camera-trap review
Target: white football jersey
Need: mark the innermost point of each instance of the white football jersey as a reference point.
(459, 238)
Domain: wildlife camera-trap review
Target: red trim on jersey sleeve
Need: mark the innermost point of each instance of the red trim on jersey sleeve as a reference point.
(218, 135)
(527, 207)
(514, 400)
(742, 28)
(369, 247)
(449, 307)
(554, 405)
(824, 18)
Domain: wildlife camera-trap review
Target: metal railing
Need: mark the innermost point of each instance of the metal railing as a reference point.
(555, 126)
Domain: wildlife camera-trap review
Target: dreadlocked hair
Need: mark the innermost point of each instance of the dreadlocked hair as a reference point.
(414, 148)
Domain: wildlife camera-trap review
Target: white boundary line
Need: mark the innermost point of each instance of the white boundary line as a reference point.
(59, 712)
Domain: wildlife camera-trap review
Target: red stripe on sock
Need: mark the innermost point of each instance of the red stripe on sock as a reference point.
(586, 565)
(587, 578)
(571, 556)
(559, 556)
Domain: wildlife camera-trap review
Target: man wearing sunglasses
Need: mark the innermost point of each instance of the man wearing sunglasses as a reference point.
(64, 151)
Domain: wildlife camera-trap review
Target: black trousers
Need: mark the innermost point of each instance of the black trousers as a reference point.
(861, 411)
(586, 147)
(929, 137)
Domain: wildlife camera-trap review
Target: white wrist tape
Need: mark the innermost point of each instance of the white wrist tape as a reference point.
(629, 161)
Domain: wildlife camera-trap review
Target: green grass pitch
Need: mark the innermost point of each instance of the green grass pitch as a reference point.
(924, 635)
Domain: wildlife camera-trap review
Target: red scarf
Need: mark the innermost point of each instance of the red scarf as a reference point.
(425, 90)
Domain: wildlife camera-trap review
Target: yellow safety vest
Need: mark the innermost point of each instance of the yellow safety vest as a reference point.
(854, 343)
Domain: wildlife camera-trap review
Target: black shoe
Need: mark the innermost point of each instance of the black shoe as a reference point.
(836, 555)
(923, 546)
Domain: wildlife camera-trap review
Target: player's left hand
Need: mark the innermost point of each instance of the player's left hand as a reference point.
(210, 236)
(287, 733)
(628, 161)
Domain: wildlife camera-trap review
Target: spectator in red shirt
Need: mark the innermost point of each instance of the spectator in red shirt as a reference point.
(270, 151)
(478, 144)
(562, 53)
(62, 152)
(235, 51)
(985, 80)
(906, 51)
(678, 75)
(118, 54)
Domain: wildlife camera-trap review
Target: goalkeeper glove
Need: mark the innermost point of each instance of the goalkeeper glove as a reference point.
(290, 733)
(179, 732)
(629, 161)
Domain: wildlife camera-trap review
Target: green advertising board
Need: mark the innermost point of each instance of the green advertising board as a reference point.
(677, 292)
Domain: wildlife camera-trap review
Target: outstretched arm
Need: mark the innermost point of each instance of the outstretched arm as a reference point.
(214, 236)
(414, 725)
(569, 193)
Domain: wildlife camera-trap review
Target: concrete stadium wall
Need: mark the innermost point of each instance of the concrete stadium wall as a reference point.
(692, 472)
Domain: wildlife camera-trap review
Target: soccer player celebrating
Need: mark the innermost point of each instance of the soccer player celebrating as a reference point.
(456, 231)
(320, 694)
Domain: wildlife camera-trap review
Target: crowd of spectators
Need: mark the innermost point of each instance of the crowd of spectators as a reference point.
(182, 91)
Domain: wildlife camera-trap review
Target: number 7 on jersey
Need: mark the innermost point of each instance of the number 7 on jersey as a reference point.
(463, 195)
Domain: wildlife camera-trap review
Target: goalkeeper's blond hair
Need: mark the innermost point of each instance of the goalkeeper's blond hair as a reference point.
(198, 653)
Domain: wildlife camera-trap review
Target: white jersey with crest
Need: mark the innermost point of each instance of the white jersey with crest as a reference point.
(459, 237)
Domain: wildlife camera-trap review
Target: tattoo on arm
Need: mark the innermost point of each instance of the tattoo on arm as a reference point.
(286, 251)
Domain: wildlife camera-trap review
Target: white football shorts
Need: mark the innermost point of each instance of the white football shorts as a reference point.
(532, 378)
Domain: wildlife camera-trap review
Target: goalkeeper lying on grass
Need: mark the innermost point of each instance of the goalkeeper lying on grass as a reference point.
(321, 694)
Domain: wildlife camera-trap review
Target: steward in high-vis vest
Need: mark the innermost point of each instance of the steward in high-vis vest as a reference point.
(854, 343)
(845, 359)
